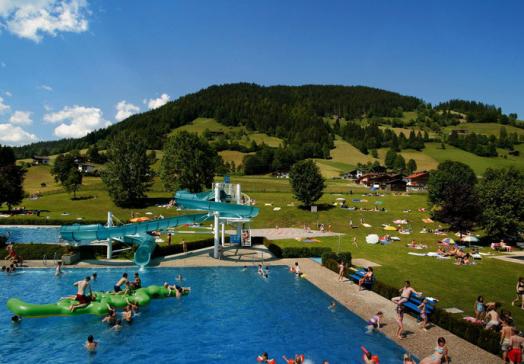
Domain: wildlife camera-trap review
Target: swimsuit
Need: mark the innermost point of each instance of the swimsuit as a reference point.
(438, 350)
(117, 288)
(373, 321)
(506, 344)
(515, 355)
(83, 299)
(480, 307)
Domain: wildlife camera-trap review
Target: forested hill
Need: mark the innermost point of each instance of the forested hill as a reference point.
(293, 113)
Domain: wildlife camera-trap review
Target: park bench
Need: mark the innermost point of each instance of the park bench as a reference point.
(358, 274)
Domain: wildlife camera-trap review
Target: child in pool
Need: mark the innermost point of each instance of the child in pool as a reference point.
(91, 344)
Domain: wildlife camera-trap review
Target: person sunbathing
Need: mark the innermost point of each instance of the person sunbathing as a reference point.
(405, 293)
(366, 279)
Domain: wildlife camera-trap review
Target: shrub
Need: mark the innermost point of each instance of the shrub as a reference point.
(162, 251)
(273, 248)
(303, 252)
(37, 251)
(35, 220)
(344, 256)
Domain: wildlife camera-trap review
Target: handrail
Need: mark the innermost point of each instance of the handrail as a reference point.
(44, 260)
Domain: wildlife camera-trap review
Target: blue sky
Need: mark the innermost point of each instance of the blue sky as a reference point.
(66, 65)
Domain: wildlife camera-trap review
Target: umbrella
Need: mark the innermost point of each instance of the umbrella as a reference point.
(372, 239)
(470, 239)
(448, 241)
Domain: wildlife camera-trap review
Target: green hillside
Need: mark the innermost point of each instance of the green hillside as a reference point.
(485, 128)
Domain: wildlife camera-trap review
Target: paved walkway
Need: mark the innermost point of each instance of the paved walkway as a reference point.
(289, 233)
(364, 303)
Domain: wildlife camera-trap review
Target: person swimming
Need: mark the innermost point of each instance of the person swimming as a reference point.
(332, 306)
(179, 291)
(16, 319)
(91, 344)
(58, 269)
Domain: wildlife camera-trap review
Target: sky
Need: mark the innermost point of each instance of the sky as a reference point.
(68, 67)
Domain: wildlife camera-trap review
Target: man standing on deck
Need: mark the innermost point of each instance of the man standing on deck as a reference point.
(83, 300)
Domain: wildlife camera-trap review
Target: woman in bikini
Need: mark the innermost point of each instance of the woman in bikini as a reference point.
(520, 293)
(440, 355)
(368, 277)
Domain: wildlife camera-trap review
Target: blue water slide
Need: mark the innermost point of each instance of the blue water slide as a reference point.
(224, 209)
(130, 233)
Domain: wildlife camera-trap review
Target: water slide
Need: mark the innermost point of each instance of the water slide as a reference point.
(137, 233)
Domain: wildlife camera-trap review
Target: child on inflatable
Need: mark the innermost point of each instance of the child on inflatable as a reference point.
(263, 358)
(368, 357)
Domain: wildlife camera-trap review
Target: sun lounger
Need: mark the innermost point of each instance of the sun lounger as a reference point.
(415, 301)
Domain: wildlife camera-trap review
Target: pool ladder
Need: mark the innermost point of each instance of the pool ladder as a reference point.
(44, 259)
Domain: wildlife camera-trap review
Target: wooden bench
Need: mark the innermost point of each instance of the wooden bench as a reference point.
(359, 274)
(415, 301)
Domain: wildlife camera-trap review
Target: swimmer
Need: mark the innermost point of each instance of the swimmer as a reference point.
(296, 269)
(16, 319)
(58, 269)
(179, 277)
(120, 283)
(244, 268)
(178, 290)
(137, 283)
(368, 357)
(110, 318)
(374, 322)
(299, 359)
(132, 306)
(117, 325)
(91, 344)
(94, 277)
(127, 315)
(260, 270)
(332, 306)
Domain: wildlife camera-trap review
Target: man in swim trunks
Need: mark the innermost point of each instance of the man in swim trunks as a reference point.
(83, 300)
(517, 342)
(405, 293)
(122, 281)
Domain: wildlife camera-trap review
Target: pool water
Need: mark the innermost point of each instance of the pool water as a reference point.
(31, 234)
(231, 316)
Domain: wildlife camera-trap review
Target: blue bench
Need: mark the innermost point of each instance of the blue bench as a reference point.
(359, 274)
(415, 301)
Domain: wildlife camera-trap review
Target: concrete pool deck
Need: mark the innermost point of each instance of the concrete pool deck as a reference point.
(364, 303)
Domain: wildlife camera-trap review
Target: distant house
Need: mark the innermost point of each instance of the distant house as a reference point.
(417, 181)
(354, 174)
(379, 180)
(86, 168)
(37, 160)
(396, 185)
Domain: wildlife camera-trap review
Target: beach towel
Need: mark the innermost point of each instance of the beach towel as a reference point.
(417, 254)
(366, 225)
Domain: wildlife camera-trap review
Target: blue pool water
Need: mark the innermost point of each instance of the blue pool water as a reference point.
(230, 316)
(31, 234)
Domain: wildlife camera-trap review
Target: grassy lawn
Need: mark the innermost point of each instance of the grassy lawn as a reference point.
(478, 164)
(233, 156)
(485, 128)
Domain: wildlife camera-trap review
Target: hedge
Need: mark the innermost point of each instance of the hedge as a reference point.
(162, 251)
(37, 251)
(344, 256)
(296, 252)
(488, 340)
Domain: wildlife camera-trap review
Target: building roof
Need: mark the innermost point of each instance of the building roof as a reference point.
(417, 175)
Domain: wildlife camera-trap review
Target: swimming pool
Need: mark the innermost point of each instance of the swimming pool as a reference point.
(230, 316)
(31, 234)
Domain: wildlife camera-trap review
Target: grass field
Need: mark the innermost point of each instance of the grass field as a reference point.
(233, 156)
(485, 128)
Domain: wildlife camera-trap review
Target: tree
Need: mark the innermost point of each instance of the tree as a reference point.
(65, 170)
(73, 181)
(306, 182)
(127, 175)
(400, 163)
(452, 195)
(11, 178)
(94, 156)
(389, 161)
(189, 162)
(411, 166)
(501, 195)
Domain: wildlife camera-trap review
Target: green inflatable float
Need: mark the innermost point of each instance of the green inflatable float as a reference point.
(99, 306)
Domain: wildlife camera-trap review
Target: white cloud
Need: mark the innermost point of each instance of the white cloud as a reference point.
(76, 121)
(15, 135)
(7, 93)
(124, 110)
(21, 118)
(32, 19)
(155, 103)
(45, 87)
(3, 107)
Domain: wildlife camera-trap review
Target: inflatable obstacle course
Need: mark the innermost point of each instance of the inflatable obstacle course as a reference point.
(99, 306)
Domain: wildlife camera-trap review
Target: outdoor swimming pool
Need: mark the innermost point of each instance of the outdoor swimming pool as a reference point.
(31, 234)
(231, 316)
